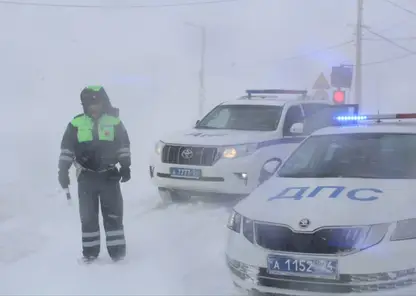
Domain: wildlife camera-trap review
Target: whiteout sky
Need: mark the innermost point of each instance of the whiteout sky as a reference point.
(148, 60)
(149, 55)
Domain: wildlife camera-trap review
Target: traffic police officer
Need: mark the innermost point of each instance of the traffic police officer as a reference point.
(96, 141)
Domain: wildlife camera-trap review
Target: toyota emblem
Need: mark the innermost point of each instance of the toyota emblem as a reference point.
(304, 223)
(187, 153)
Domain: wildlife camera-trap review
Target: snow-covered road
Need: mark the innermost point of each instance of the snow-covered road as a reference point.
(174, 251)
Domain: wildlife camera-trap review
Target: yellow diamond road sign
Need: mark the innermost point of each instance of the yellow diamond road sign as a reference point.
(321, 83)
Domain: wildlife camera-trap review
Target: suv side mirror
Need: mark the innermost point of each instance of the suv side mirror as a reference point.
(297, 128)
(269, 169)
(272, 166)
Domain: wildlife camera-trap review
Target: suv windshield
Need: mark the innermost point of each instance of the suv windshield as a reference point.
(242, 117)
(363, 155)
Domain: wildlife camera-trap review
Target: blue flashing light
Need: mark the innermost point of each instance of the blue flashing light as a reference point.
(351, 118)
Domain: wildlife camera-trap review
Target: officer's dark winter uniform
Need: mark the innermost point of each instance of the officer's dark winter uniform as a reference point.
(95, 145)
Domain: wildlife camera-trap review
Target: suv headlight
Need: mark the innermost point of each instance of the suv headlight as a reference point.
(238, 150)
(159, 147)
(405, 229)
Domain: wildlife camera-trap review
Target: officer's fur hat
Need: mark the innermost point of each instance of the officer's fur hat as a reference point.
(91, 93)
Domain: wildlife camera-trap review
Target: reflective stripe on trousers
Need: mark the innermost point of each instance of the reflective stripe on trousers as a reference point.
(115, 238)
(90, 239)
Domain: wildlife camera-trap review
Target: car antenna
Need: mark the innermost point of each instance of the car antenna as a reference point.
(378, 113)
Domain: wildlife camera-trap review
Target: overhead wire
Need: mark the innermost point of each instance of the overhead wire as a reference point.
(206, 2)
(389, 40)
(400, 7)
(394, 38)
(384, 61)
(317, 51)
(128, 6)
(393, 26)
(44, 4)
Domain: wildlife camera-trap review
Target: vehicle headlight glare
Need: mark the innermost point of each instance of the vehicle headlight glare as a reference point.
(239, 150)
(159, 147)
(230, 153)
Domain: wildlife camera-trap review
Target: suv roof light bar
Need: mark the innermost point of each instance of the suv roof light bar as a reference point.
(275, 92)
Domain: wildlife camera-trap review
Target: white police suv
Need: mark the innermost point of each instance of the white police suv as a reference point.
(226, 151)
(338, 217)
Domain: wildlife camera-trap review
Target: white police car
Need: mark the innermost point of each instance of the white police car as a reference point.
(338, 218)
(226, 150)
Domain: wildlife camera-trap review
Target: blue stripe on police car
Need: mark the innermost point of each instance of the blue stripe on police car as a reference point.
(280, 141)
(358, 194)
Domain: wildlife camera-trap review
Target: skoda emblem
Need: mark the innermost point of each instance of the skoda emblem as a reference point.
(304, 223)
(187, 153)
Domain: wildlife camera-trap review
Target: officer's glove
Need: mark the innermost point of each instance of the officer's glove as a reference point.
(63, 177)
(114, 175)
(125, 174)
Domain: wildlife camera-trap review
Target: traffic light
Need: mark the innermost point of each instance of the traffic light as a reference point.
(338, 97)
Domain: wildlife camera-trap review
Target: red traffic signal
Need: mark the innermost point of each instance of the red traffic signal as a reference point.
(338, 97)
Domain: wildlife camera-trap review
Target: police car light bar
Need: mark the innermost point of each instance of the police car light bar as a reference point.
(376, 117)
(275, 92)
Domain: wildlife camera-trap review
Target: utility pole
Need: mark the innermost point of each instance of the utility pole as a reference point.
(358, 53)
(202, 68)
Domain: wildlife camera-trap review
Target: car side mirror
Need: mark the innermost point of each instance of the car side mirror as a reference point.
(197, 122)
(269, 169)
(297, 128)
(272, 165)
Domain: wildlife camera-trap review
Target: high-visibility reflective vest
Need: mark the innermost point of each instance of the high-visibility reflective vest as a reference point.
(86, 128)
